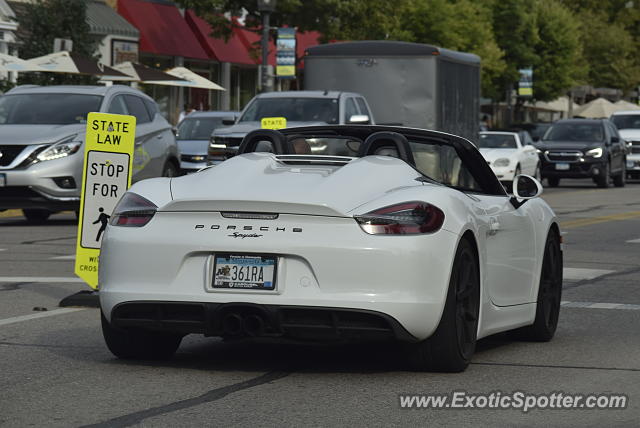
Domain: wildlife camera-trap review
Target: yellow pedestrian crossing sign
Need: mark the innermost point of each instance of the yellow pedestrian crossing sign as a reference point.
(106, 176)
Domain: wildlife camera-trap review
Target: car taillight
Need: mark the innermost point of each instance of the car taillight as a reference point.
(408, 218)
(133, 211)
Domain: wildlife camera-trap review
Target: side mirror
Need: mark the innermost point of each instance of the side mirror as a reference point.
(359, 118)
(228, 120)
(535, 139)
(174, 129)
(615, 139)
(525, 187)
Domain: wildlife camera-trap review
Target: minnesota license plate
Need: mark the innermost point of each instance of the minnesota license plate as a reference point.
(252, 272)
(562, 166)
(3, 180)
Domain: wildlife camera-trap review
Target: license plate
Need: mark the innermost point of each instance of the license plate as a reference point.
(630, 164)
(562, 166)
(3, 180)
(251, 272)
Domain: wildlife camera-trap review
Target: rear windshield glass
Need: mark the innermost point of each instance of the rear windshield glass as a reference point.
(47, 109)
(497, 141)
(198, 128)
(585, 132)
(293, 109)
(626, 121)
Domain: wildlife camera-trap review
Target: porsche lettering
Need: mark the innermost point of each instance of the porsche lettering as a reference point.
(248, 228)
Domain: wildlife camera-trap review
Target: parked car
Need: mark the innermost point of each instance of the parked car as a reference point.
(409, 236)
(300, 108)
(509, 154)
(42, 130)
(193, 134)
(583, 148)
(628, 124)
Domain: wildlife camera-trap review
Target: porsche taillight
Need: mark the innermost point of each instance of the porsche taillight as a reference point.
(133, 211)
(408, 218)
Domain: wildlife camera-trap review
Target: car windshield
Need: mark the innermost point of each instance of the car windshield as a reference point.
(586, 132)
(626, 121)
(198, 128)
(293, 109)
(497, 141)
(47, 109)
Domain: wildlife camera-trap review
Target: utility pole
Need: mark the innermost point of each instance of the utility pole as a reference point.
(265, 7)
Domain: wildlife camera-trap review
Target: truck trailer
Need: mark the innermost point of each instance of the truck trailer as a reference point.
(408, 84)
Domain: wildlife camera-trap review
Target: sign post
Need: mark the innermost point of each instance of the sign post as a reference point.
(108, 160)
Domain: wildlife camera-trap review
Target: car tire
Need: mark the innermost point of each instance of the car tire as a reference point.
(603, 181)
(621, 179)
(553, 181)
(451, 346)
(36, 216)
(549, 295)
(169, 170)
(139, 344)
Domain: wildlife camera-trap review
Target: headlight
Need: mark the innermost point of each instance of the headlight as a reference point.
(62, 148)
(594, 153)
(502, 162)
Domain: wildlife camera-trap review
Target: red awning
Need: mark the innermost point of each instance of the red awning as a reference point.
(233, 51)
(251, 41)
(162, 28)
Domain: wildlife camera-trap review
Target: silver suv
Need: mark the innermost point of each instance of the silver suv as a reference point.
(41, 134)
(300, 108)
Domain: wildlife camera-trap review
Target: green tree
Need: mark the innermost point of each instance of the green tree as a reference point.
(45, 20)
(560, 64)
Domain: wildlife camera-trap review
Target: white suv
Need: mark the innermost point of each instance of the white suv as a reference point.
(628, 124)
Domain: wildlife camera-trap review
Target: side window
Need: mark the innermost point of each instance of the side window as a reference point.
(363, 107)
(136, 107)
(152, 108)
(118, 105)
(350, 109)
(613, 131)
(443, 164)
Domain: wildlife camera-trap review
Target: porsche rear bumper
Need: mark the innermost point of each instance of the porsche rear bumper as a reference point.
(330, 265)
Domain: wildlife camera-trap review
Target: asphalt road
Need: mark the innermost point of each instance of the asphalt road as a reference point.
(56, 371)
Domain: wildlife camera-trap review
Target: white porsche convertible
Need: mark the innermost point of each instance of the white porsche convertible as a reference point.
(333, 233)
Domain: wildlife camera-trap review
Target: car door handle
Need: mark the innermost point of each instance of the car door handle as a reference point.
(159, 136)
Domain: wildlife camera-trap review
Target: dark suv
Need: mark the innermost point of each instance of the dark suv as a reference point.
(581, 148)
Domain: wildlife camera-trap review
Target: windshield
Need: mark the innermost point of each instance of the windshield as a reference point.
(626, 121)
(199, 128)
(47, 109)
(497, 141)
(293, 109)
(584, 132)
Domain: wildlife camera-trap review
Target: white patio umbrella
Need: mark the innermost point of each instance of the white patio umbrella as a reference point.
(13, 63)
(138, 73)
(626, 105)
(68, 62)
(598, 108)
(188, 79)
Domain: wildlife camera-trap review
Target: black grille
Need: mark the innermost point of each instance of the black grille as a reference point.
(9, 153)
(635, 147)
(563, 156)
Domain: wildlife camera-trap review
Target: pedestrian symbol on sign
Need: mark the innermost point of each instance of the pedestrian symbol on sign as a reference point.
(104, 219)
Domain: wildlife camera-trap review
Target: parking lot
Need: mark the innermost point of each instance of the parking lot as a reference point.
(56, 370)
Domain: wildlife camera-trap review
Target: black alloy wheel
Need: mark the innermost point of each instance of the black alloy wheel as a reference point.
(549, 294)
(553, 181)
(452, 345)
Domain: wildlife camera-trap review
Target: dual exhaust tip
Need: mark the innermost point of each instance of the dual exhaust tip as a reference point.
(235, 324)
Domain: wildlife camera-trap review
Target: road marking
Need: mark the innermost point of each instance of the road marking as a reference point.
(69, 257)
(578, 274)
(10, 213)
(633, 241)
(45, 314)
(55, 279)
(571, 224)
(600, 305)
(3, 249)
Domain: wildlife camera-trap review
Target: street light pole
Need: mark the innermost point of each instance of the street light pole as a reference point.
(265, 7)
